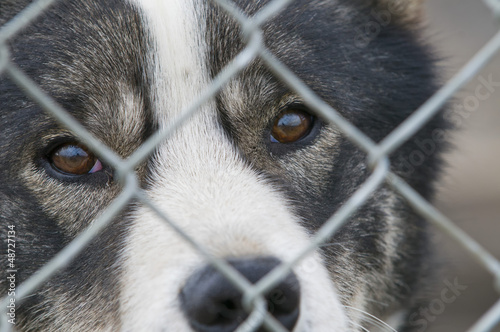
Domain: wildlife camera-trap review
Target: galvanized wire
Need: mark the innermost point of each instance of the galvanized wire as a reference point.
(378, 158)
(23, 19)
(494, 5)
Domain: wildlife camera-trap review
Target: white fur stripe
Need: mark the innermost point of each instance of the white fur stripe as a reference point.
(179, 72)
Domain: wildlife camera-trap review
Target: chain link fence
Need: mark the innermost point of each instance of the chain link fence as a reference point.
(378, 157)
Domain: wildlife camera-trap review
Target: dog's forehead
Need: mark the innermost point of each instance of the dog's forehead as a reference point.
(128, 66)
(191, 41)
(139, 62)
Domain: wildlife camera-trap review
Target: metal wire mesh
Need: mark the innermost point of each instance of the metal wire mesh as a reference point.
(378, 157)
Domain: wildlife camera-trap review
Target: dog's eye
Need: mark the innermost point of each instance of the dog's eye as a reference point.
(74, 158)
(291, 125)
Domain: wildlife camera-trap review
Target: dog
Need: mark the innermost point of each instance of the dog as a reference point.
(251, 176)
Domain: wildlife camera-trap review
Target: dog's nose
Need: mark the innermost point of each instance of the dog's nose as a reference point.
(212, 304)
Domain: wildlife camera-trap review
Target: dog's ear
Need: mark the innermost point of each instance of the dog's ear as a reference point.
(405, 10)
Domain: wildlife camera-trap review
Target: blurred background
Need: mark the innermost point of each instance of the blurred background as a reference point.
(469, 192)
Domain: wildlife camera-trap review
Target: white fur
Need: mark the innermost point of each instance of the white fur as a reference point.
(201, 183)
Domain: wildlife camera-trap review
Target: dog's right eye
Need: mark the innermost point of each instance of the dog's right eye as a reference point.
(74, 159)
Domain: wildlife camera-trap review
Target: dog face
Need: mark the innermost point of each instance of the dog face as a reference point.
(251, 176)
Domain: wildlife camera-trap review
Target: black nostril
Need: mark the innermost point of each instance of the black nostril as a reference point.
(212, 304)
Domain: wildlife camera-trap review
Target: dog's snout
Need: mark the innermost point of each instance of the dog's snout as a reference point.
(212, 304)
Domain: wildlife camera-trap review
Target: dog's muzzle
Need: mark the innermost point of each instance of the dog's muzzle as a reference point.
(211, 303)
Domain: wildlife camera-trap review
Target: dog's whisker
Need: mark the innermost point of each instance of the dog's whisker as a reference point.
(383, 304)
(373, 320)
(360, 326)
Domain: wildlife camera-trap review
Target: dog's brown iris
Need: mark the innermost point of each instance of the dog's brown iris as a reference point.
(291, 125)
(74, 158)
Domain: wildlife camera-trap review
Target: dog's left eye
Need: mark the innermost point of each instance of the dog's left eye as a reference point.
(291, 125)
(75, 159)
